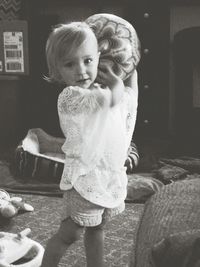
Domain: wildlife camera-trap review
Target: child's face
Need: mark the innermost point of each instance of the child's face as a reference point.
(79, 68)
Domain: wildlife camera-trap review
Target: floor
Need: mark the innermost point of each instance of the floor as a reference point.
(120, 232)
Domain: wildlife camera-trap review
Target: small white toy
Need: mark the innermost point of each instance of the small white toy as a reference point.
(9, 206)
(19, 250)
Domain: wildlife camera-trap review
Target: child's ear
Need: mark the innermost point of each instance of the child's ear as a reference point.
(99, 54)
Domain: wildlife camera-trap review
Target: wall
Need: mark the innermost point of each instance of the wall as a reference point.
(10, 88)
(181, 17)
(9, 111)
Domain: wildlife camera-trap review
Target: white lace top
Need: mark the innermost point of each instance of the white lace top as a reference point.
(97, 141)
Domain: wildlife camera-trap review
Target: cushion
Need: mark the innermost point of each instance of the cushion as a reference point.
(173, 209)
(118, 43)
(141, 186)
(169, 173)
(188, 163)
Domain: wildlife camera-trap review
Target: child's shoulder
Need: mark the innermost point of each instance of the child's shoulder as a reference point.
(77, 90)
(70, 89)
(70, 92)
(75, 99)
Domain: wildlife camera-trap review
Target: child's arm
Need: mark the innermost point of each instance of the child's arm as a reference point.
(108, 78)
(132, 81)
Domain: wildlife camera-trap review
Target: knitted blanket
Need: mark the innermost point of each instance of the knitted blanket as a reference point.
(172, 211)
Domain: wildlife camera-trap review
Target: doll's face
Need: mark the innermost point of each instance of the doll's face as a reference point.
(79, 68)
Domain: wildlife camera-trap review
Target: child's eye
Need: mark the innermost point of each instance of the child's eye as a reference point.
(68, 64)
(88, 60)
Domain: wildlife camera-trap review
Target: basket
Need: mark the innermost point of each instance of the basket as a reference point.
(39, 156)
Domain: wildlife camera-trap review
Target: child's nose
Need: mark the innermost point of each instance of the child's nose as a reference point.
(80, 68)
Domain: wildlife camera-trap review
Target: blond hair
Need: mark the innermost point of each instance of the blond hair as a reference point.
(63, 39)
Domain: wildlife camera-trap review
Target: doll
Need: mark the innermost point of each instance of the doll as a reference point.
(9, 206)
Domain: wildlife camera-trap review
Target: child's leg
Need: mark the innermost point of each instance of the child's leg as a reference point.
(67, 234)
(94, 238)
(94, 243)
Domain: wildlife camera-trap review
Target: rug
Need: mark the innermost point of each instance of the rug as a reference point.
(120, 232)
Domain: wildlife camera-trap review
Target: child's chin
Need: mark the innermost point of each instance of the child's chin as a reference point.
(85, 85)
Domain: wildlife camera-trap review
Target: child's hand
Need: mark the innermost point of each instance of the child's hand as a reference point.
(107, 77)
(132, 80)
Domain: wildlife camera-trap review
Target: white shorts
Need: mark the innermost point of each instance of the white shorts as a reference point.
(86, 213)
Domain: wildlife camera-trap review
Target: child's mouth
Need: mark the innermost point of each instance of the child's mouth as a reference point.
(82, 81)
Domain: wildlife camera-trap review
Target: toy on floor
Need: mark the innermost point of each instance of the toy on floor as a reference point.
(19, 250)
(9, 206)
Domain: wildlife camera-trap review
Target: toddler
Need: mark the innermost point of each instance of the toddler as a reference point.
(97, 117)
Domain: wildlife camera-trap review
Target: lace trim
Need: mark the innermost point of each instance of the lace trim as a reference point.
(75, 100)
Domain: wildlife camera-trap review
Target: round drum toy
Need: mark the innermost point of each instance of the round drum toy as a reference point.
(19, 250)
(118, 43)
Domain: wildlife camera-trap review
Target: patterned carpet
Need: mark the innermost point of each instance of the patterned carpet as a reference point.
(120, 232)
